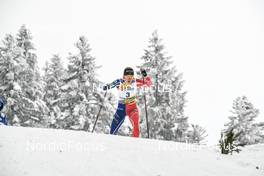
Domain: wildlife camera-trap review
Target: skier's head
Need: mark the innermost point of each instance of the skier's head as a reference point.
(129, 71)
(2, 103)
(128, 74)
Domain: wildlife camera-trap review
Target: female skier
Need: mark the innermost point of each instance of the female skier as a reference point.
(127, 99)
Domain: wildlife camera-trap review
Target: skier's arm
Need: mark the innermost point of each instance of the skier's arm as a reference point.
(145, 81)
(111, 85)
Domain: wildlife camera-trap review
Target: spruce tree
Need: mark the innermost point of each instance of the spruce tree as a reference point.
(81, 97)
(53, 80)
(12, 64)
(165, 99)
(229, 143)
(261, 128)
(243, 121)
(197, 134)
(33, 106)
(20, 80)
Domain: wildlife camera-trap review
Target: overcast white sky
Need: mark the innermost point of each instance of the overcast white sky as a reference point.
(218, 45)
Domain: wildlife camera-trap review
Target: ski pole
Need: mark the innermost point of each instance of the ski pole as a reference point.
(145, 101)
(99, 112)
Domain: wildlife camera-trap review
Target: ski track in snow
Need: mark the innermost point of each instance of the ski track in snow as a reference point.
(43, 152)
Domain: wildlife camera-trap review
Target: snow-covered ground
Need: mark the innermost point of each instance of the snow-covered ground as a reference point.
(37, 152)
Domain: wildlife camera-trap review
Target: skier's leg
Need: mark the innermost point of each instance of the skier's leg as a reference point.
(134, 118)
(116, 123)
(118, 119)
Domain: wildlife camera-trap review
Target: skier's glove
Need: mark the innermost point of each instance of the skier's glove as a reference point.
(143, 72)
(104, 87)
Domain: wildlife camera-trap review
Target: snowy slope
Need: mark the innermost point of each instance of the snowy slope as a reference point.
(37, 152)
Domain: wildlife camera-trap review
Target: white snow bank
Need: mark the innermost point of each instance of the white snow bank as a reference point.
(44, 152)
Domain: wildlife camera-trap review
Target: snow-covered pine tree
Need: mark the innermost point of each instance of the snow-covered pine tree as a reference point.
(243, 122)
(53, 80)
(12, 64)
(77, 98)
(261, 127)
(81, 97)
(177, 104)
(166, 99)
(228, 142)
(30, 80)
(197, 134)
(20, 80)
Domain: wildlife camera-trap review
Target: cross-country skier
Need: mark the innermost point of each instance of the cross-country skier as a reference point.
(3, 118)
(127, 99)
